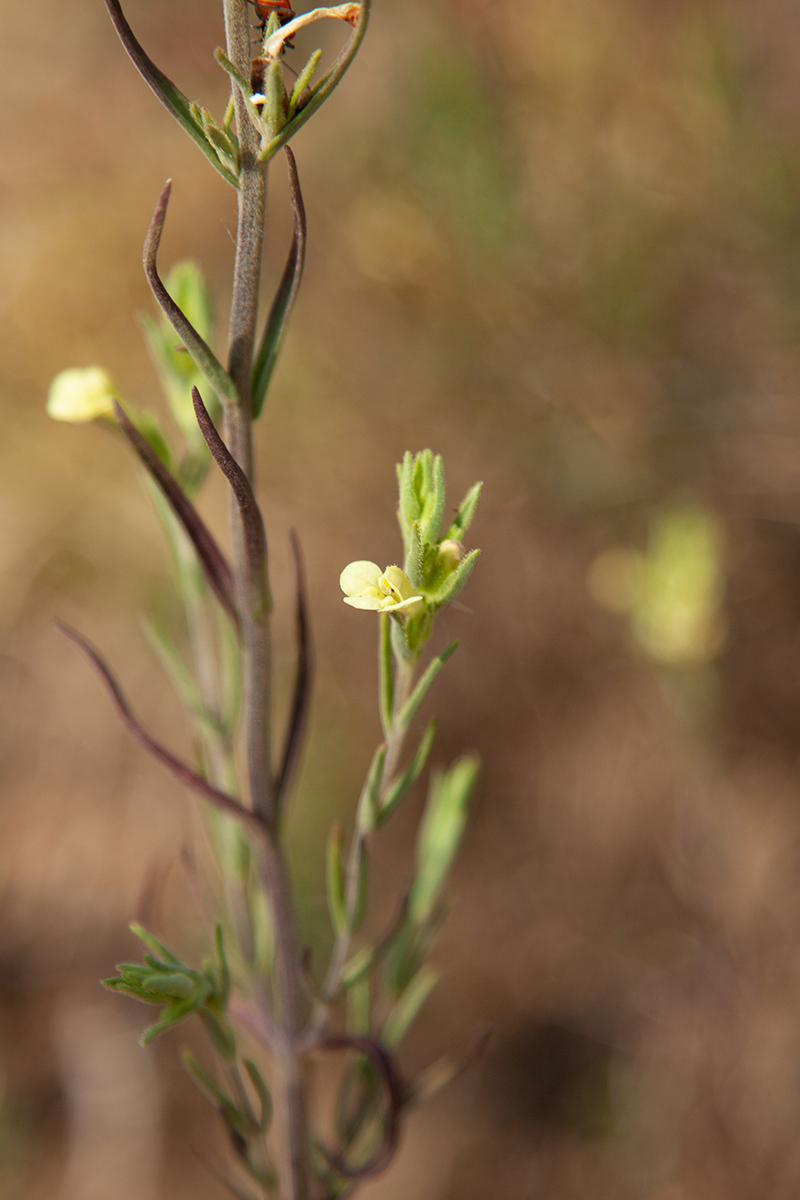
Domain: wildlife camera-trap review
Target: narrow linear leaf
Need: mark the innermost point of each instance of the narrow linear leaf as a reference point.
(302, 82)
(400, 785)
(224, 985)
(431, 523)
(442, 1072)
(220, 1033)
(198, 349)
(415, 555)
(282, 305)
(173, 1014)
(185, 774)
(466, 511)
(357, 905)
(409, 508)
(358, 967)
(252, 522)
(155, 945)
(334, 876)
(302, 682)
(407, 1007)
(455, 582)
(212, 560)
(368, 802)
(169, 95)
(421, 690)
(264, 1098)
(440, 834)
(207, 1083)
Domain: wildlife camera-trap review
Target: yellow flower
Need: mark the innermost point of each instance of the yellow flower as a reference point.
(81, 394)
(366, 586)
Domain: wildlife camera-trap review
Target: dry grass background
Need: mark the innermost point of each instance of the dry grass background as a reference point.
(559, 242)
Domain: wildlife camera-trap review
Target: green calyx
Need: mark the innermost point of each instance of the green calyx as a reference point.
(436, 562)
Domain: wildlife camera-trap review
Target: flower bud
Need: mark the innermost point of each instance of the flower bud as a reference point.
(451, 553)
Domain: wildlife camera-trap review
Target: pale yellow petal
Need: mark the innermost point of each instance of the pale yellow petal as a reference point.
(358, 578)
(375, 603)
(412, 606)
(81, 394)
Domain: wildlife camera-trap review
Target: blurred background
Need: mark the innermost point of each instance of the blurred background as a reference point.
(557, 241)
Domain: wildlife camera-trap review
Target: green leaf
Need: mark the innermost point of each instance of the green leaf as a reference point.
(415, 555)
(149, 940)
(386, 672)
(173, 1014)
(282, 305)
(367, 811)
(223, 987)
(335, 879)
(273, 114)
(409, 507)
(359, 909)
(421, 690)
(264, 1098)
(440, 834)
(408, 1005)
(220, 1033)
(433, 509)
(234, 1115)
(169, 95)
(456, 580)
(303, 80)
(358, 966)
(463, 517)
(176, 985)
(400, 785)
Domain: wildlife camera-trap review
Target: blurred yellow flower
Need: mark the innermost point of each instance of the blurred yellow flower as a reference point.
(81, 394)
(366, 586)
(674, 592)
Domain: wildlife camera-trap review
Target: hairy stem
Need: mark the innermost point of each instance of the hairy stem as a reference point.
(256, 656)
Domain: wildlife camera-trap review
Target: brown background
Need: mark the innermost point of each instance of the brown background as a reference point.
(558, 241)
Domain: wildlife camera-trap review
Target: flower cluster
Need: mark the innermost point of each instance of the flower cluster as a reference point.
(435, 566)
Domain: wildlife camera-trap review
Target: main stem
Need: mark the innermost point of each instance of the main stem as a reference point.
(254, 616)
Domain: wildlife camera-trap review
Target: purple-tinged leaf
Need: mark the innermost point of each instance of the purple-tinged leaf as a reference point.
(198, 349)
(212, 560)
(180, 770)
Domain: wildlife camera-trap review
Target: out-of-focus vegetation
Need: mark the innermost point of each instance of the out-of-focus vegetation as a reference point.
(559, 242)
